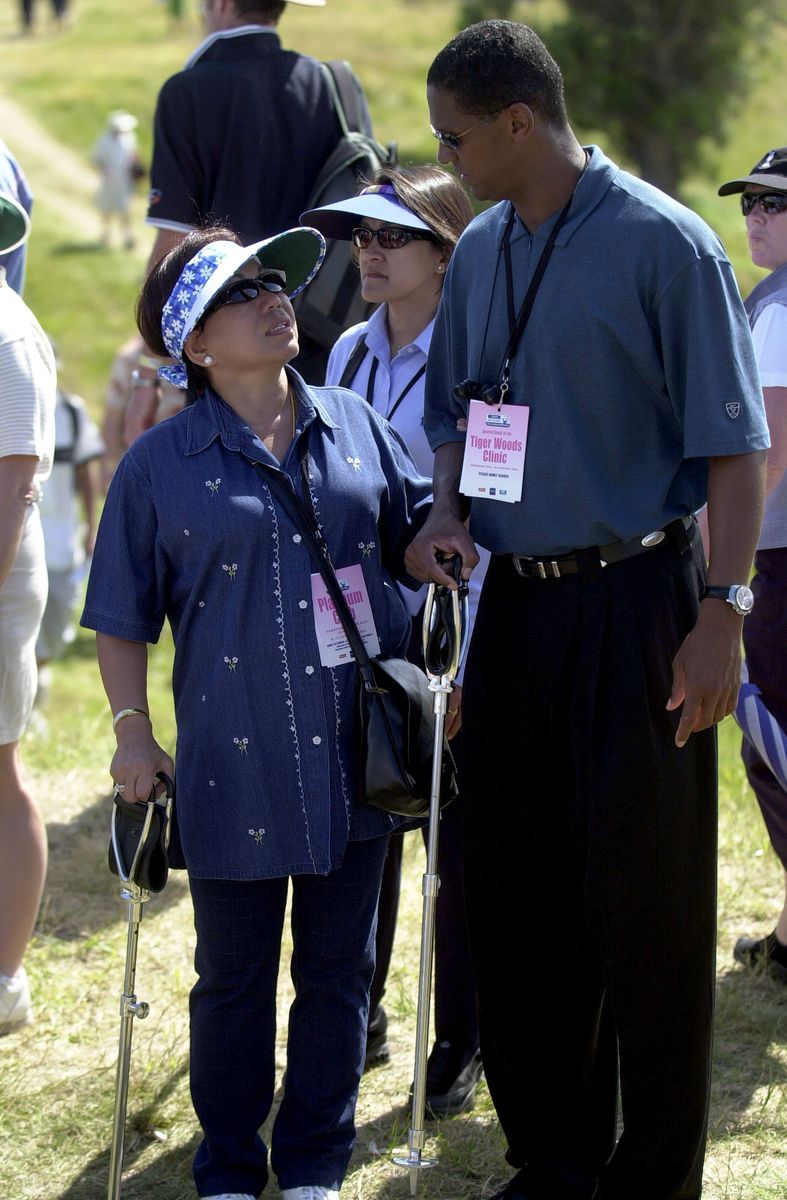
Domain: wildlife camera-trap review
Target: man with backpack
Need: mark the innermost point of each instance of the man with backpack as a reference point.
(241, 135)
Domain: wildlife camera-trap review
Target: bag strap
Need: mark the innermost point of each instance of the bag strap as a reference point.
(344, 88)
(280, 484)
(353, 364)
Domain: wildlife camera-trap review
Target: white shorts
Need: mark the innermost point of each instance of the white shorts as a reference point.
(22, 600)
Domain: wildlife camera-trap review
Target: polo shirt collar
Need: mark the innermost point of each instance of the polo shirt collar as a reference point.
(222, 35)
(599, 176)
(210, 417)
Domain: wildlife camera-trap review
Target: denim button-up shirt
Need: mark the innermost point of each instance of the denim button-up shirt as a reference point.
(266, 749)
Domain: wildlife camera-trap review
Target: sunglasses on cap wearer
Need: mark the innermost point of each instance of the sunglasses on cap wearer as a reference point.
(770, 202)
(390, 237)
(241, 291)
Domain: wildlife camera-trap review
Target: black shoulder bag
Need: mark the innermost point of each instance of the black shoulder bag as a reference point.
(395, 706)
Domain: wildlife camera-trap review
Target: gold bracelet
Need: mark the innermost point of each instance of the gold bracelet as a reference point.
(128, 712)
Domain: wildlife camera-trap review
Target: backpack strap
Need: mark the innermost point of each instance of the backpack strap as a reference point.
(352, 366)
(346, 94)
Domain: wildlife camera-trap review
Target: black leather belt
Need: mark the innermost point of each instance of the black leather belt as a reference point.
(590, 559)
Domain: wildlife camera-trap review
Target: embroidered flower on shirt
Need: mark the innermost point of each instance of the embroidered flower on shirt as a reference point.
(257, 834)
(242, 744)
(231, 663)
(230, 568)
(366, 548)
(213, 485)
(355, 463)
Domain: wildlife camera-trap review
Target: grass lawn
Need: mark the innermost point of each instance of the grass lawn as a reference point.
(57, 1078)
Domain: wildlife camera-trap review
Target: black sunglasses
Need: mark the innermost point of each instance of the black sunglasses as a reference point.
(390, 237)
(241, 291)
(770, 202)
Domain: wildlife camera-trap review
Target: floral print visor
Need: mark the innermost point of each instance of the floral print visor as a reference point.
(297, 252)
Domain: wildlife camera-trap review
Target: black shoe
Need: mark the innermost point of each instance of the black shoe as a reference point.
(766, 954)
(452, 1076)
(377, 1049)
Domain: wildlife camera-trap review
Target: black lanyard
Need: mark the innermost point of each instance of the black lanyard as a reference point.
(518, 321)
(419, 374)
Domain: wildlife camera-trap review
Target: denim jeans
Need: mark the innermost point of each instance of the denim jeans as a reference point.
(233, 1022)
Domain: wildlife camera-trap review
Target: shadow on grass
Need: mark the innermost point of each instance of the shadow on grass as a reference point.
(81, 895)
(749, 1077)
(463, 1146)
(168, 1177)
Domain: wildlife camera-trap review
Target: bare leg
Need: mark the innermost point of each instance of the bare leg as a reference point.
(22, 860)
(781, 924)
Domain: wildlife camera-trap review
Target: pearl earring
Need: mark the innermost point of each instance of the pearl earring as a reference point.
(209, 360)
(441, 266)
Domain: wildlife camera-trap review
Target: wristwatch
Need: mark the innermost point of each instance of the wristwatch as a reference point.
(138, 380)
(738, 595)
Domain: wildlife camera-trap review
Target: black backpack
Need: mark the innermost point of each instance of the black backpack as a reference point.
(332, 301)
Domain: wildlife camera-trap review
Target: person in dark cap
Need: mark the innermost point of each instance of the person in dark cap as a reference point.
(763, 196)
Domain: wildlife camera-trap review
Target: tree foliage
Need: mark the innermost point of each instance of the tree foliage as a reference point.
(659, 78)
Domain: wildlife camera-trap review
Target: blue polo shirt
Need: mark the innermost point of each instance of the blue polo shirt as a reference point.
(636, 364)
(267, 737)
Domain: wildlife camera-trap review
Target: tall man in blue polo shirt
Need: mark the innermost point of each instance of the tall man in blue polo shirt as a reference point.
(599, 664)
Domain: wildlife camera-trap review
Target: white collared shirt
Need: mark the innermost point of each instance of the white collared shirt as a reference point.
(239, 31)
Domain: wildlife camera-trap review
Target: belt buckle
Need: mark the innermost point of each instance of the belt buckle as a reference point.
(538, 564)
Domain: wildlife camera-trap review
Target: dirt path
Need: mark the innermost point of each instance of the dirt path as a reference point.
(61, 180)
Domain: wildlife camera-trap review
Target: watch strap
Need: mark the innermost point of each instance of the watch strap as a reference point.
(719, 591)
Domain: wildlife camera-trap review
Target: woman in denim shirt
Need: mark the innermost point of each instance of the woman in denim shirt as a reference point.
(266, 753)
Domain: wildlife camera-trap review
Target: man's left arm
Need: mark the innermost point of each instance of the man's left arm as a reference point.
(706, 669)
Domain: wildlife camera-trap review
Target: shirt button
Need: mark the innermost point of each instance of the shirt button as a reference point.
(296, 537)
(309, 670)
(303, 604)
(316, 741)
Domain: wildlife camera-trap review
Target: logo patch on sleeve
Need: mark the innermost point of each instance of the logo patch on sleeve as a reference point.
(733, 408)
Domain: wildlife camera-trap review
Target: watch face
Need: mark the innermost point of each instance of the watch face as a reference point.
(743, 599)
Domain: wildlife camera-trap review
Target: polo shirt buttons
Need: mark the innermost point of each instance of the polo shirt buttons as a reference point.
(316, 740)
(296, 537)
(309, 670)
(303, 604)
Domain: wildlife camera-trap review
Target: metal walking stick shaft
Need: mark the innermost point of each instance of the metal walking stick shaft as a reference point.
(445, 631)
(138, 847)
(130, 1008)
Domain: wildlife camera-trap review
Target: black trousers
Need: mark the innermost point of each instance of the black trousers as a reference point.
(765, 639)
(591, 877)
